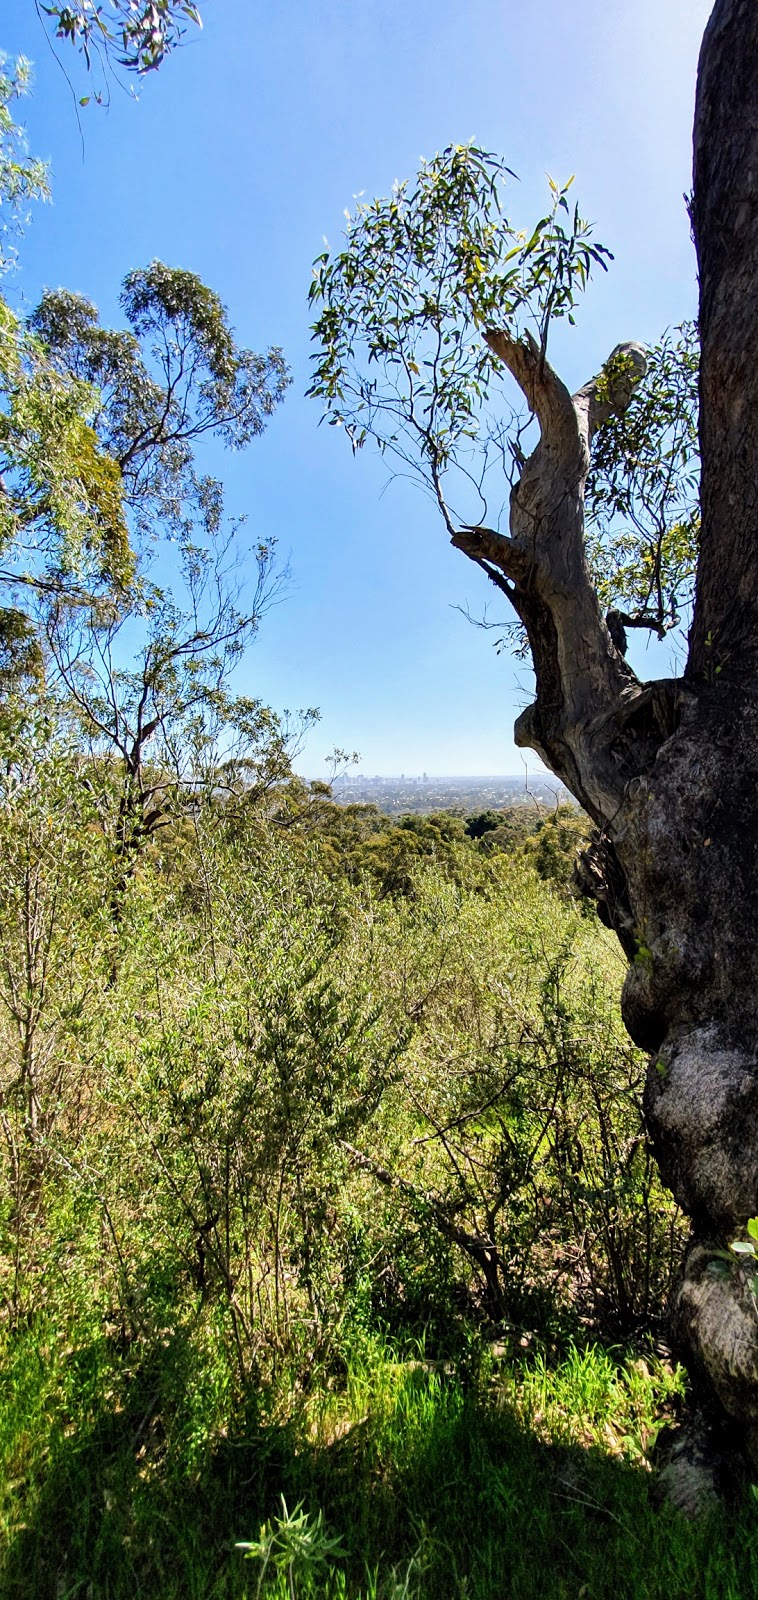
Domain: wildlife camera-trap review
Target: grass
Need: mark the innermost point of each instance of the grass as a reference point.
(136, 1474)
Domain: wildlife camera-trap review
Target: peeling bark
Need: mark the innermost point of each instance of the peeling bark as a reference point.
(669, 771)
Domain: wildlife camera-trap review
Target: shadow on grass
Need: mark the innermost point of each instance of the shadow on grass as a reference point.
(128, 1501)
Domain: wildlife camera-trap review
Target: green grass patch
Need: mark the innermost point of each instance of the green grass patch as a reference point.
(135, 1474)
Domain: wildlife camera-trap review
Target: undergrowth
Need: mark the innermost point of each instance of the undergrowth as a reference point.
(139, 1473)
(283, 1156)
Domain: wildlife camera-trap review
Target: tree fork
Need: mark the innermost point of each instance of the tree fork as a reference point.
(582, 678)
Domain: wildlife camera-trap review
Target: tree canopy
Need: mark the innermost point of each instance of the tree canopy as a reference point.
(403, 358)
(62, 514)
(99, 429)
(172, 376)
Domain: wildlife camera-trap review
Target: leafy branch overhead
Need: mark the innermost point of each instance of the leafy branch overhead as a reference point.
(412, 316)
(133, 34)
(400, 353)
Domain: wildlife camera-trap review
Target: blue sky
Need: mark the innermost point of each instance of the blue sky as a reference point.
(240, 156)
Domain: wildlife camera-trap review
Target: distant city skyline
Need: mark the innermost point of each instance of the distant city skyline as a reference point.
(359, 775)
(425, 793)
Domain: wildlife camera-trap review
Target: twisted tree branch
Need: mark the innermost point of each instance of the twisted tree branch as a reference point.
(581, 674)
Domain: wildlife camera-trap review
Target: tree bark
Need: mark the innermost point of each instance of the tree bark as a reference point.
(725, 222)
(669, 770)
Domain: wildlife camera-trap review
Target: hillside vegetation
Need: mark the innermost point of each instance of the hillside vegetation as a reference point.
(323, 1178)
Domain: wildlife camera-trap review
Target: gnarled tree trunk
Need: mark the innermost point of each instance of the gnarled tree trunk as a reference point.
(669, 770)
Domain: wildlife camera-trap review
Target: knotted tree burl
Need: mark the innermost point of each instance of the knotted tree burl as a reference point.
(434, 295)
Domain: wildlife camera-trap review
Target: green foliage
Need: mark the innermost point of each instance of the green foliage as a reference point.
(154, 391)
(20, 654)
(134, 34)
(516, 1128)
(62, 517)
(391, 858)
(62, 493)
(643, 491)
(400, 358)
(168, 717)
(361, 843)
(55, 948)
(306, 1076)
(22, 178)
(173, 376)
(553, 846)
(292, 1544)
(506, 830)
(137, 1473)
(486, 822)
(249, 1104)
(284, 1160)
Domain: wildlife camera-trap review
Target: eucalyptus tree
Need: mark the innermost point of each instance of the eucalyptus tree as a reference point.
(147, 669)
(99, 430)
(174, 375)
(62, 521)
(436, 311)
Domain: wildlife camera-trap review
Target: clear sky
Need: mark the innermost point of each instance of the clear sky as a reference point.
(240, 156)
